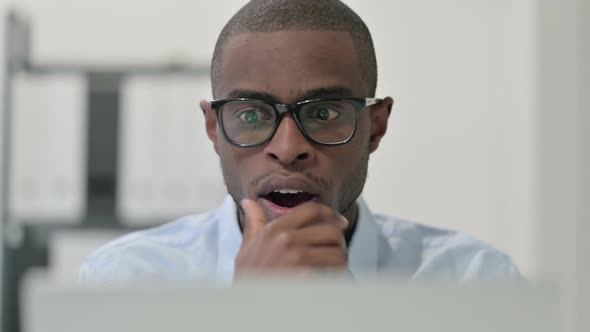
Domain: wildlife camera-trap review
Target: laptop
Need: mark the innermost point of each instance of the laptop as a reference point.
(50, 305)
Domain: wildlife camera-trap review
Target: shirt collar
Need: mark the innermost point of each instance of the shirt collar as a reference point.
(362, 253)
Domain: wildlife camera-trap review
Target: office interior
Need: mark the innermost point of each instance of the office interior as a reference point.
(102, 133)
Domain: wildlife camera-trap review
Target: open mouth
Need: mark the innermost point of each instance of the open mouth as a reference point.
(288, 198)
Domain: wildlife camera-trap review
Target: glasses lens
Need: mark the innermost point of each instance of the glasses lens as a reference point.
(247, 122)
(328, 121)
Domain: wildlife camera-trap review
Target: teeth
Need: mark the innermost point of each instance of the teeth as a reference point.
(288, 191)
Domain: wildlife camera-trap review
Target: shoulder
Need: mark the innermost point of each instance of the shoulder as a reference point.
(446, 255)
(159, 252)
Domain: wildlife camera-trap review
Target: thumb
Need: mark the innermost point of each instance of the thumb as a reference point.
(254, 218)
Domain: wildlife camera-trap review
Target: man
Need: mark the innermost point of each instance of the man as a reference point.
(293, 123)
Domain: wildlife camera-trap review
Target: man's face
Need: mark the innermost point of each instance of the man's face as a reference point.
(287, 67)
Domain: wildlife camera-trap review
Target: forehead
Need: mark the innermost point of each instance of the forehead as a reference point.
(288, 64)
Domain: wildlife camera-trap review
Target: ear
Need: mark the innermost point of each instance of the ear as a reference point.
(379, 117)
(210, 122)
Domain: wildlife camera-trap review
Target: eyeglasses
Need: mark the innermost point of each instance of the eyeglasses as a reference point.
(327, 121)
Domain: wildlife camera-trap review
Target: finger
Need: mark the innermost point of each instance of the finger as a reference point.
(254, 218)
(324, 234)
(323, 257)
(309, 213)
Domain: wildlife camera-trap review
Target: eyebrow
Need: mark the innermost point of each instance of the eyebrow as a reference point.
(252, 94)
(334, 91)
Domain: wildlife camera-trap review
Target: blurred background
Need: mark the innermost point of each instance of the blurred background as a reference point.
(102, 133)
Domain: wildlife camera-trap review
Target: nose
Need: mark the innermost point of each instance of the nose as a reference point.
(288, 145)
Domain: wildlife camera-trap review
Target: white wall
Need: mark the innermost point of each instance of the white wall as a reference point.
(460, 150)
(563, 153)
(583, 247)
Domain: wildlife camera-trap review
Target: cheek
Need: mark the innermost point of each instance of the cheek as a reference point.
(229, 164)
(363, 132)
(238, 165)
(346, 160)
(360, 142)
(342, 160)
(340, 163)
(230, 155)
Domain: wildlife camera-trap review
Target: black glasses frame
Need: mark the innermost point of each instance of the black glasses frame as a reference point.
(294, 109)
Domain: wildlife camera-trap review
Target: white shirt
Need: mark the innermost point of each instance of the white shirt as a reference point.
(205, 246)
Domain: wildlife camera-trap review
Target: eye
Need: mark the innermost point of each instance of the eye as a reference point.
(324, 113)
(253, 115)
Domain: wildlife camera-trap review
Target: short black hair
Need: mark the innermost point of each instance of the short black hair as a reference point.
(280, 15)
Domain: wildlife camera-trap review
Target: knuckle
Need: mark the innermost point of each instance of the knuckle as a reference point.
(284, 239)
(333, 232)
(326, 210)
(335, 215)
(297, 257)
(272, 228)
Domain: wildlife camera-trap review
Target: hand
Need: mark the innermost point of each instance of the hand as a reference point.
(308, 238)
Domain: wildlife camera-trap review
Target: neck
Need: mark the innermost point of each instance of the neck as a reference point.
(351, 213)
